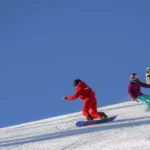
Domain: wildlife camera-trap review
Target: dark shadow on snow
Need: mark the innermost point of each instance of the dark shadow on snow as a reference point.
(124, 123)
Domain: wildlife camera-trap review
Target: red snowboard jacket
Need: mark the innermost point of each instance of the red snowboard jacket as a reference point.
(83, 91)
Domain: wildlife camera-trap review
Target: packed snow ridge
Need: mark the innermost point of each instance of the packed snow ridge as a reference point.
(130, 131)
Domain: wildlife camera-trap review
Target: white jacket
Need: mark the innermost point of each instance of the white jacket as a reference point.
(148, 77)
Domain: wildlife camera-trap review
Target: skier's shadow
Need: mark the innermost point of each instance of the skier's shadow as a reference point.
(123, 123)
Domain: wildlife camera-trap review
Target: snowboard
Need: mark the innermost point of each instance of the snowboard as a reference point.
(92, 122)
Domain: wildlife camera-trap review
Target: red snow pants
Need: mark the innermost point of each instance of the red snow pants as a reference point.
(90, 107)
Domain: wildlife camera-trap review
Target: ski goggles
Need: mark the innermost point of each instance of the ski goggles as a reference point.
(134, 78)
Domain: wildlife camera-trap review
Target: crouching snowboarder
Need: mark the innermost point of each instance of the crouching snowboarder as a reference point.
(148, 75)
(134, 91)
(84, 92)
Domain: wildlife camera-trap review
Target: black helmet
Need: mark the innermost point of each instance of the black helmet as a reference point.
(76, 81)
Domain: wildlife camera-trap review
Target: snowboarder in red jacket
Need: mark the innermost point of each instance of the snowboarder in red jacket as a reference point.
(84, 92)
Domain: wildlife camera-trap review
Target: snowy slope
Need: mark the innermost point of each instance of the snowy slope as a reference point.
(130, 131)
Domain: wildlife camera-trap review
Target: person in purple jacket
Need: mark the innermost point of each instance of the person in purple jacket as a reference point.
(134, 91)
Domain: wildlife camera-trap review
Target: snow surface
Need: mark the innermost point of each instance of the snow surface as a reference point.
(130, 131)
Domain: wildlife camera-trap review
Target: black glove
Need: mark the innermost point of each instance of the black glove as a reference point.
(64, 98)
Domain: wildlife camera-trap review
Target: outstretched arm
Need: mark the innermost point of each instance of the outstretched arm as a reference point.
(75, 96)
(144, 85)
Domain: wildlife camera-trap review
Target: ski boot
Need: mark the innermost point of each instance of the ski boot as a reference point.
(89, 118)
(104, 116)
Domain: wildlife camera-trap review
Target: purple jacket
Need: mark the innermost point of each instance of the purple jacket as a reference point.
(134, 89)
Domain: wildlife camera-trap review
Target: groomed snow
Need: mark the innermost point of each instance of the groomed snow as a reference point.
(130, 131)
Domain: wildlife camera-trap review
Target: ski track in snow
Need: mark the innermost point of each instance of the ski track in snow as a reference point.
(130, 131)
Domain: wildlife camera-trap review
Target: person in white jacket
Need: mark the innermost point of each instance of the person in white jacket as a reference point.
(148, 75)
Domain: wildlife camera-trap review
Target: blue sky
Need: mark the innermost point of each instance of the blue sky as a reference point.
(45, 45)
